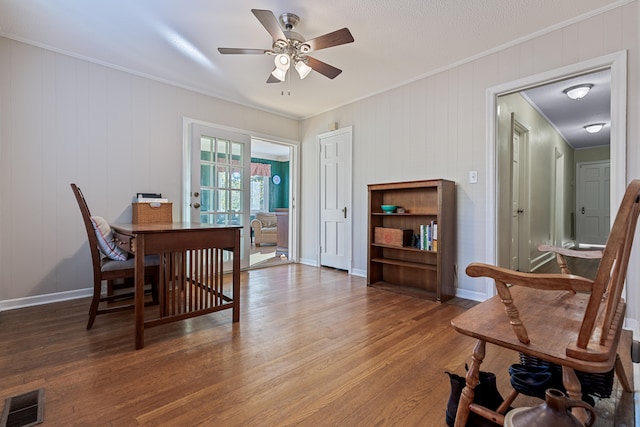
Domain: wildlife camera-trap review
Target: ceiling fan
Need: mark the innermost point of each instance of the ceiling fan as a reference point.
(290, 47)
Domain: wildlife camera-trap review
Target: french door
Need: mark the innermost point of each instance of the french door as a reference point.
(217, 183)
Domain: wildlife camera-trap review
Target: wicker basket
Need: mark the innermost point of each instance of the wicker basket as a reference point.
(151, 213)
(599, 385)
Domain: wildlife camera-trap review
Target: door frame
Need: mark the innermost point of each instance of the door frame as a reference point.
(294, 194)
(557, 206)
(617, 62)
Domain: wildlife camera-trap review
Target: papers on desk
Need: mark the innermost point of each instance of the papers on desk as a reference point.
(150, 198)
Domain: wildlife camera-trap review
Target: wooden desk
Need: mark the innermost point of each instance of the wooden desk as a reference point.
(192, 260)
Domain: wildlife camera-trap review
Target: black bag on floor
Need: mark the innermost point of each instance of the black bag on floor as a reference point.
(486, 394)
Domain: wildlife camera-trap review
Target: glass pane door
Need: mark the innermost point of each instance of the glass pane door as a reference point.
(219, 186)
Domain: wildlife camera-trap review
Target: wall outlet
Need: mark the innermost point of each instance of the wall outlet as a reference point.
(473, 177)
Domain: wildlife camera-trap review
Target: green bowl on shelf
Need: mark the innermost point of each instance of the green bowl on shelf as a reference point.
(388, 208)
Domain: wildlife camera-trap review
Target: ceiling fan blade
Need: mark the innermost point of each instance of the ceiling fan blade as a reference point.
(270, 23)
(272, 79)
(323, 68)
(335, 38)
(233, 50)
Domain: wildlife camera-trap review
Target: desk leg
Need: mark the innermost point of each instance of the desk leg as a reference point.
(236, 277)
(139, 292)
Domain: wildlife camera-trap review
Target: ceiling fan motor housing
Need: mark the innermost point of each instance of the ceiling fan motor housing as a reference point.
(289, 21)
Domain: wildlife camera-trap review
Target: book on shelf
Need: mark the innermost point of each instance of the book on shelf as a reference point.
(428, 236)
(434, 243)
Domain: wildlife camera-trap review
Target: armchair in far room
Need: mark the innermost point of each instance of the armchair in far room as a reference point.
(265, 229)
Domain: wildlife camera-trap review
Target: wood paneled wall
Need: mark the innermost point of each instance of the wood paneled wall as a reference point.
(436, 127)
(64, 120)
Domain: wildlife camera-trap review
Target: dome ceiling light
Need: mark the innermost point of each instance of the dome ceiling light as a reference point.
(578, 92)
(594, 127)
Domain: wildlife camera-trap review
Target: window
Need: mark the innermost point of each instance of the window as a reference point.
(221, 176)
(259, 193)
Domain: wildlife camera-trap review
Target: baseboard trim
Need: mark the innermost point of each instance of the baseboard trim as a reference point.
(13, 304)
(358, 272)
(307, 261)
(541, 260)
(471, 295)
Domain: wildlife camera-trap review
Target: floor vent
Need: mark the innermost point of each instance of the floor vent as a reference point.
(23, 410)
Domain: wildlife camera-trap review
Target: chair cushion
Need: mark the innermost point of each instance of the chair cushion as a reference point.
(105, 240)
(268, 219)
(112, 265)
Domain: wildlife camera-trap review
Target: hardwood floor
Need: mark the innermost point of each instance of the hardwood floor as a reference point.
(314, 347)
(265, 256)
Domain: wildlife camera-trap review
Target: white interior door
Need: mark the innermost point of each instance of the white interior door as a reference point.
(592, 203)
(558, 212)
(519, 248)
(217, 181)
(515, 203)
(335, 198)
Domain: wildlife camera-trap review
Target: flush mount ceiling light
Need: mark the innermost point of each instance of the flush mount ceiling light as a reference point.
(578, 92)
(594, 127)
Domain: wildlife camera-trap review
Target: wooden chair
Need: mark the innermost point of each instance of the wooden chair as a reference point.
(562, 253)
(105, 269)
(562, 318)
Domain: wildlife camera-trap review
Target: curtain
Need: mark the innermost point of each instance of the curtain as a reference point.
(260, 169)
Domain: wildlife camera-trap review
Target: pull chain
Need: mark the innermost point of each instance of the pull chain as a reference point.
(288, 82)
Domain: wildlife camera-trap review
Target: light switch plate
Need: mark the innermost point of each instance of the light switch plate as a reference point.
(473, 177)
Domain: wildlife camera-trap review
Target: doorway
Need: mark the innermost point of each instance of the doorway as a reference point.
(217, 181)
(271, 199)
(498, 208)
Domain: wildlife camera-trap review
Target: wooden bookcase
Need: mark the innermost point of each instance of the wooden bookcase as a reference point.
(405, 268)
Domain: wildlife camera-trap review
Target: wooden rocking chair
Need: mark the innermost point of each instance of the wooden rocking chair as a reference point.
(562, 318)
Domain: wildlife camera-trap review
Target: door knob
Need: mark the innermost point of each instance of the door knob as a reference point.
(196, 194)
(196, 205)
(344, 211)
(582, 210)
(520, 210)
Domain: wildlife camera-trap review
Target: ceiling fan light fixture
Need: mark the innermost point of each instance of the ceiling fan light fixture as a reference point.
(282, 61)
(578, 92)
(302, 69)
(594, 127)
(279, 74)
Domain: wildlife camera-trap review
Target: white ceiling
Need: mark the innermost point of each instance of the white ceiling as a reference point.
(176, 41)
(570, 116)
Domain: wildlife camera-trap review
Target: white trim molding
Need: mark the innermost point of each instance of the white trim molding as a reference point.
(617, 62)
(13, 304)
